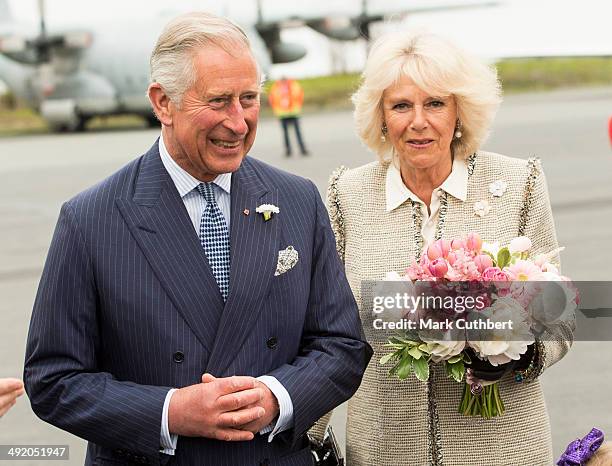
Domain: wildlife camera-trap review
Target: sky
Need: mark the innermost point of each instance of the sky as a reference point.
(511, 28)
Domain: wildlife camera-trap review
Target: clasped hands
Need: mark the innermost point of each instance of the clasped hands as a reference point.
(229, 408)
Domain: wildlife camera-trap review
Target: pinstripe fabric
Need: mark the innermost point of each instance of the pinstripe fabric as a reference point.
(126, 287)
(186, 186)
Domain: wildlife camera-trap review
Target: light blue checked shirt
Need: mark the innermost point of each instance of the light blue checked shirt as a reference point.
(195, 205)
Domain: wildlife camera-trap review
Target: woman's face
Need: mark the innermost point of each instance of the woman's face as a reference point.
(420, 126)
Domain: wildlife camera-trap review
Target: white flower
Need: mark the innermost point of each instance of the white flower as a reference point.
(386, 288)
(482, 208)
(392, 277)
(555, 301)
(267, 210)
(541, 259)
(519, 244)
(497, 188)
(491, 248)
(502, 346)
(552, 269)
(442, 350)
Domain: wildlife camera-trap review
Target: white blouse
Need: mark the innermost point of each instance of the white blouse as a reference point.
(397, 193)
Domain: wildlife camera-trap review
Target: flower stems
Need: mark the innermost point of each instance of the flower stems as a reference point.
(487, 404)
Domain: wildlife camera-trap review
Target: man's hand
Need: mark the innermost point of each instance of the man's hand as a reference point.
(217, 409)
(10, 390)
(268, 402)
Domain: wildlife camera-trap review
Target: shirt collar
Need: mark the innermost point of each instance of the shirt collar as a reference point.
(184, 182)
(397, 192)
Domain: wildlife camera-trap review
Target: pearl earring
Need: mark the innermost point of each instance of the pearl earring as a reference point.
(458, 132)
(383, 136)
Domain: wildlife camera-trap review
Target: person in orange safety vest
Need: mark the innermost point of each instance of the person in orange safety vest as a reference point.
(286, 98)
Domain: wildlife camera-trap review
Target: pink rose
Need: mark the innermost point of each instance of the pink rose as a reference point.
(494, 274)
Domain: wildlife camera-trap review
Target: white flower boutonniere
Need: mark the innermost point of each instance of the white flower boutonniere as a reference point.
(267, 210)
(482, 208)
(497, 188)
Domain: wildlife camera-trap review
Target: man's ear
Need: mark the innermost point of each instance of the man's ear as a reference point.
(161, 103)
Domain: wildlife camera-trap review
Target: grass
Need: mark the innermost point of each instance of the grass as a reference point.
(550, 73)
(517, 75)
(333, 92)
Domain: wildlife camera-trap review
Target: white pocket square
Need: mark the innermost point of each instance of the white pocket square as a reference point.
(287, 258)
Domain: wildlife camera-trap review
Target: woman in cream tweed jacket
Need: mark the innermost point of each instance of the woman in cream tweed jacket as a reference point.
(425, 107)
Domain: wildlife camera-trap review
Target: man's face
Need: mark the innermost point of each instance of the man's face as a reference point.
(216, 125)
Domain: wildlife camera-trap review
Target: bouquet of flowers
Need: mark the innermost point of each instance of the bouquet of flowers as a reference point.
(510, 306)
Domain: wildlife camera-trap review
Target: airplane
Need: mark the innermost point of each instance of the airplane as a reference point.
(72, 75)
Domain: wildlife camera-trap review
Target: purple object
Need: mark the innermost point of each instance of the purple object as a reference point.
(580, 451)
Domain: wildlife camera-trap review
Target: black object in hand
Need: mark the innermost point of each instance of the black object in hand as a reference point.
(484, 370)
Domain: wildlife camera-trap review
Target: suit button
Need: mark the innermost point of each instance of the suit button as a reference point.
(178, 357)
(272, 342)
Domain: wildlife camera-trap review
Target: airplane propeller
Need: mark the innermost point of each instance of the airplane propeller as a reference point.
(280, 52)
(41, 42)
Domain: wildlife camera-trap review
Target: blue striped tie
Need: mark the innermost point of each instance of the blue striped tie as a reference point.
(214, 237)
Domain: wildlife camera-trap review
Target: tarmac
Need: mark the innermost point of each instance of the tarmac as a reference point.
(566, 129)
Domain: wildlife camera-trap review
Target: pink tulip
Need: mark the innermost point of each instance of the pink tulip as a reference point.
(439, 248)
(438, 268)
(451, 258)
(457, 244)
(473, 242)
(483, 262)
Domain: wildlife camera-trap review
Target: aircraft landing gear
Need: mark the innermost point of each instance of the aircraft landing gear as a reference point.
(152, 121)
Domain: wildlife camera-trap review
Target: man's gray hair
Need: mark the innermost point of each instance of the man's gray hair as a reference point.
(172, 64)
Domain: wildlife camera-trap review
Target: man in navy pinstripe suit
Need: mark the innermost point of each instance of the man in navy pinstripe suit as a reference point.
(174, 324)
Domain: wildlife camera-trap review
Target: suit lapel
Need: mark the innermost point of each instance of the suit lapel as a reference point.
(159, 222)
(254, 252)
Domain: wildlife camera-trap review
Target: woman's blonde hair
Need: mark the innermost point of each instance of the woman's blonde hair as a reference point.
(438, 68)
(603, 456)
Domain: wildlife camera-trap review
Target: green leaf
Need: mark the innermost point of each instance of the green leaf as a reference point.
(415, 352)
(386, 358)
(448, 368)
(503, 257)
(466, 358)
(424, 348)
(454, 359)
(421, 369)
(458, 371)
(394, 346)
(404, 367)
(408, 342)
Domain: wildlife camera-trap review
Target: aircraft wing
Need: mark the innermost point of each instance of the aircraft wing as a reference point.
(342, 21)
(40, 49)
